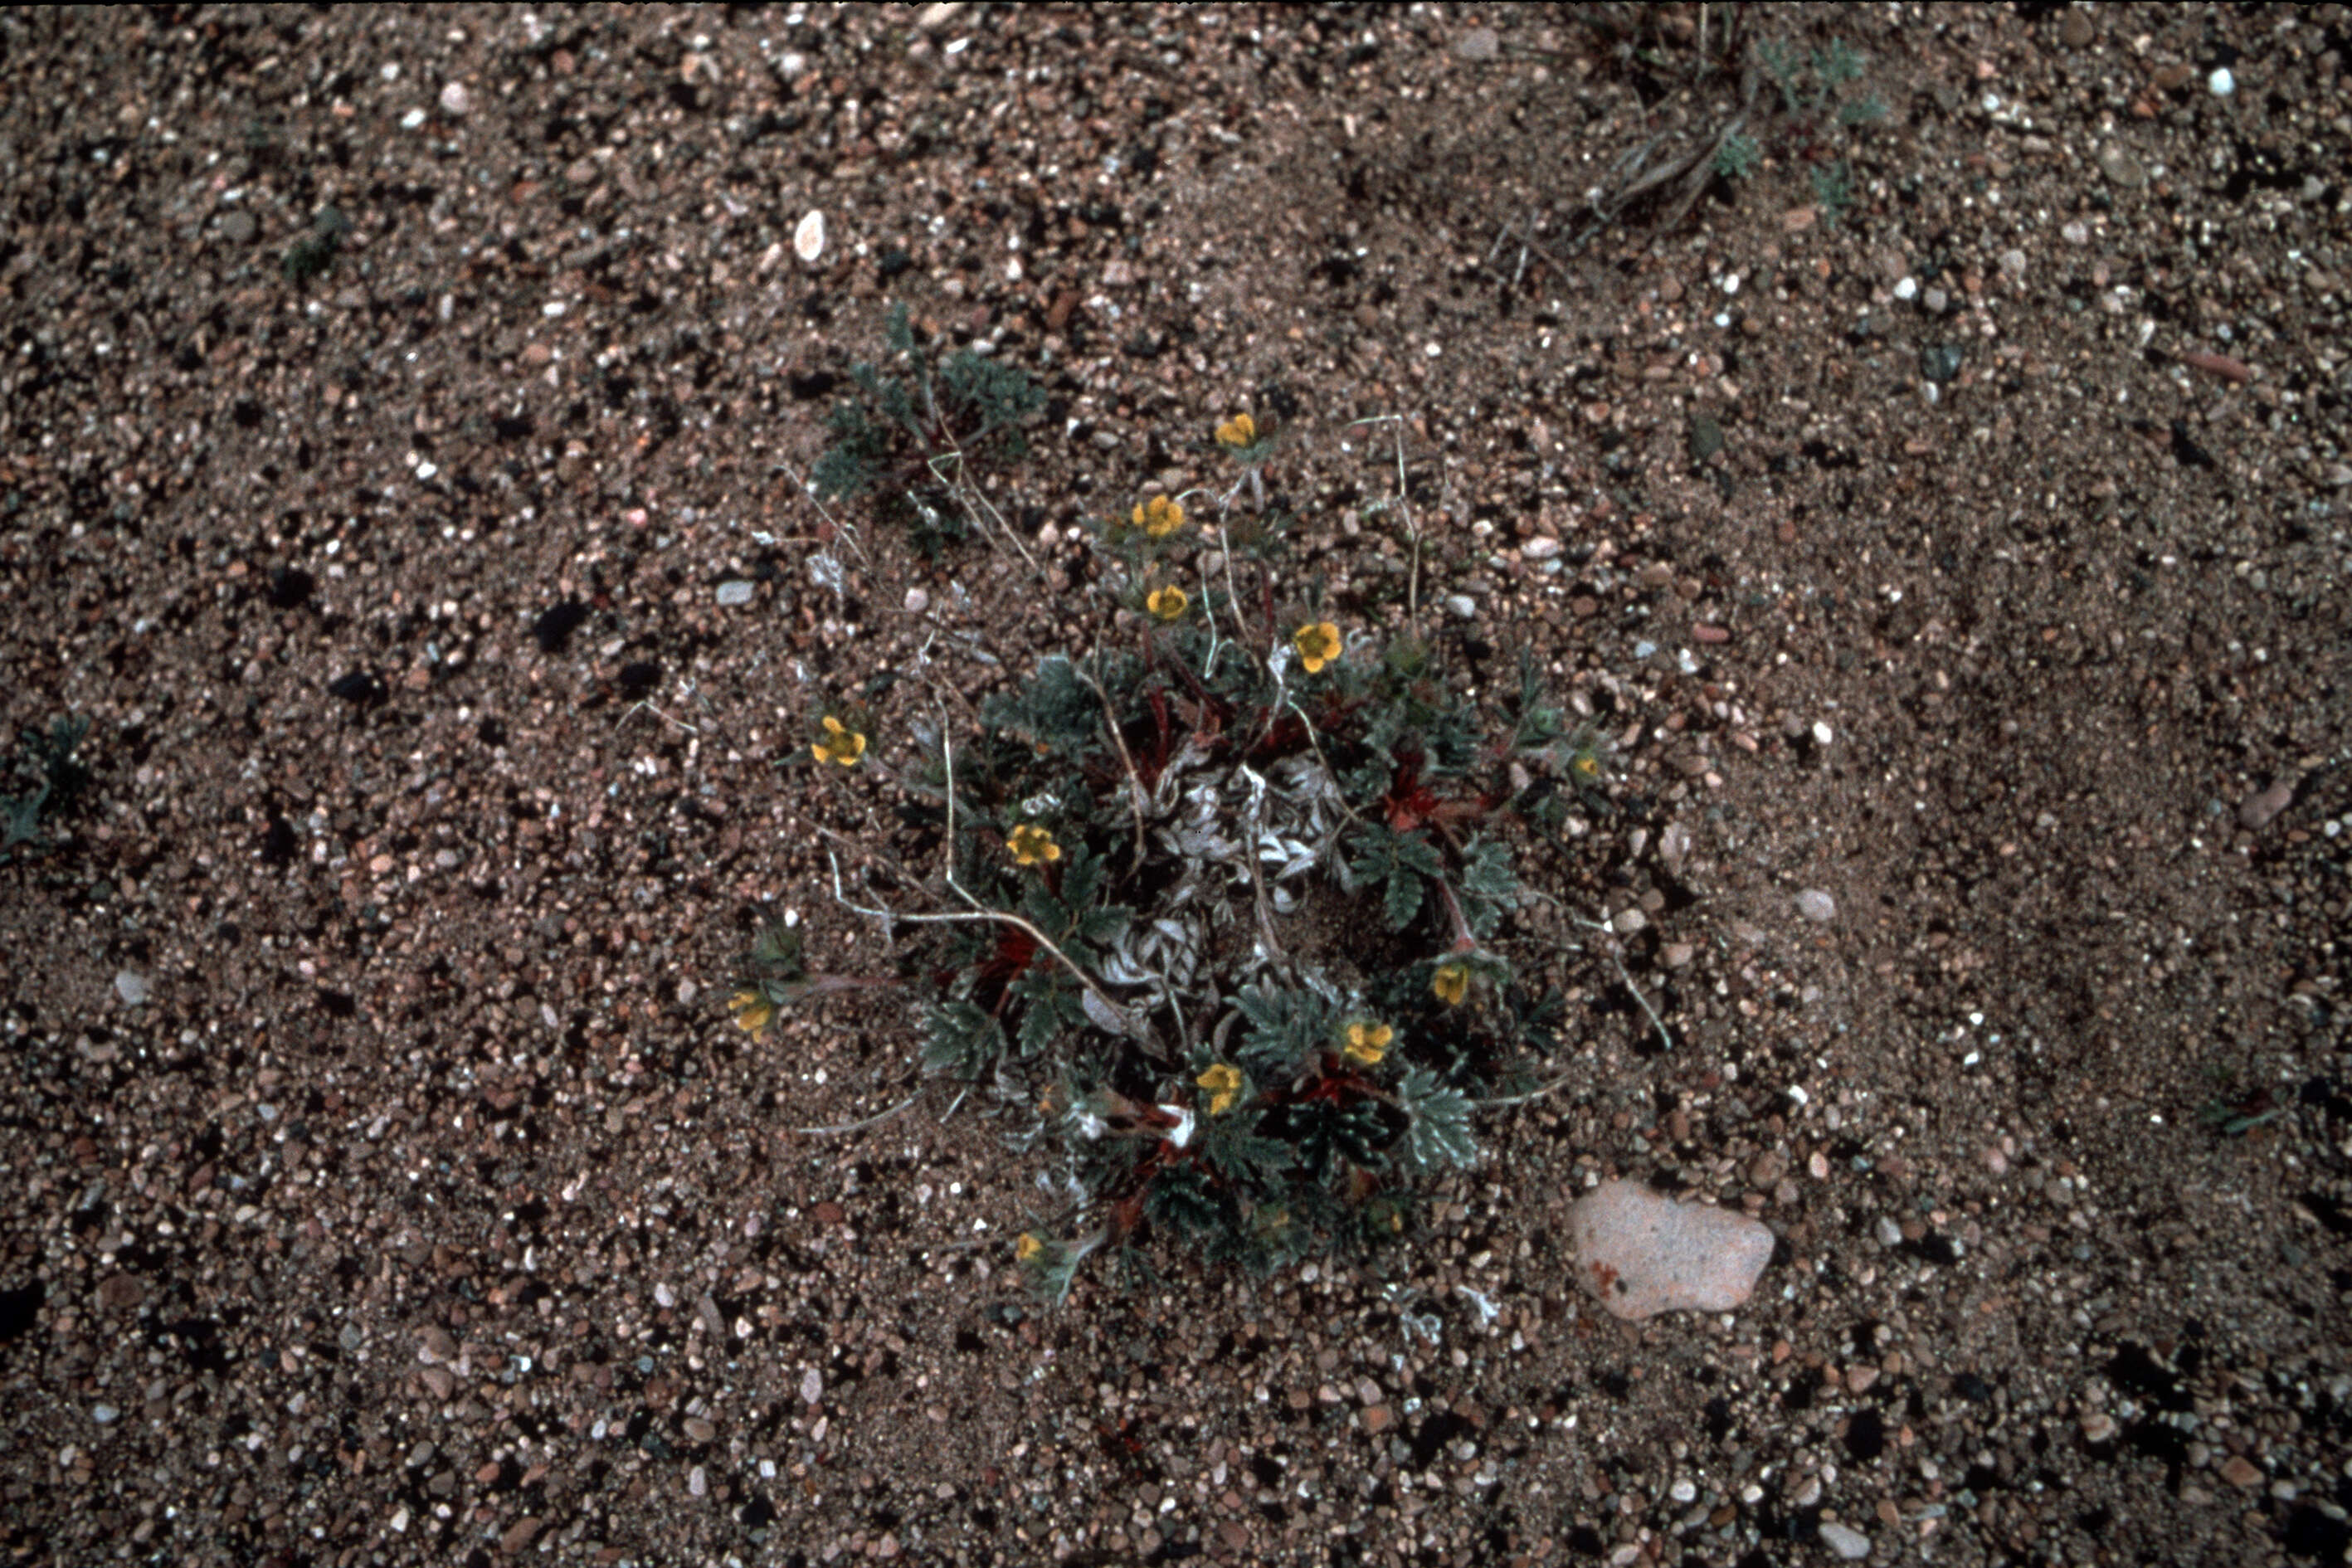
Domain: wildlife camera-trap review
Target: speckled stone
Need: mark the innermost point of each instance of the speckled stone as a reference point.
(1641, 1253)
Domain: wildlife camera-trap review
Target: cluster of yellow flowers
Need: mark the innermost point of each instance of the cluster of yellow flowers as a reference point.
(1159, 518)
(1237, 434)
(1166, 603)
(1368, 1042)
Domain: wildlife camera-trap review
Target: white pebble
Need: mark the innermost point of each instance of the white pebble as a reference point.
(808, 239)
(812, 1387)
(1845, 1541)
(1816, 905)
(1907, 290)
(2222, 83)
(455, 100)
(412, 119)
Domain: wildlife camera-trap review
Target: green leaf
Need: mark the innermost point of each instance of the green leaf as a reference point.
(1490, 886)
(1335, 1132)
(1438, 1130)
(1286, 1027)
(1240, 1151)
(1101, 927)
(962, 1040)
(1401, 898)
(1182, 1198)
(1417, 854)
(1053, 709)
(1050, 1006)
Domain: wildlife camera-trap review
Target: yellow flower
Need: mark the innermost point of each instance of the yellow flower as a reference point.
(842, 744)
(1157, 517)
(1318, 643)
(1368, 1042)
(753, 1012)
(1451, 983)
(1167, 604)
(1240, 431)
(1033, 846)
(1028, 1248)
(1587, 765)
(1224, 1086)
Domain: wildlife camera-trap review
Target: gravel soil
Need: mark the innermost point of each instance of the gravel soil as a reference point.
(404, 417)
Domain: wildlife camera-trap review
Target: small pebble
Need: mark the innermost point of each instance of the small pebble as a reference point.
(1462, 606)
(918, 601)
(1845, 1541)
(2120, 167)
(1629, 921)
(737, 592)
(664, 1296)
(1889, 1233)
(1817, 906)
(1641, 1253)
(812, 1387)
(456, 101)
(1542, 547)
(808, 239)
(131, 987)
(2222, 83)
(1940, 362)
(104, 1415)
(2074, 27)
(2254, 812)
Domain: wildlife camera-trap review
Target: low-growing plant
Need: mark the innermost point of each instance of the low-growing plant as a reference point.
(54, 777)
(1222, 911)
(309, 256)
(1823, 103)
(916, 426)
(1738, 156)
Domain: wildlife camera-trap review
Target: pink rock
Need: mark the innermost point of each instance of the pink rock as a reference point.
(1643, 1253)
(2255, 811)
